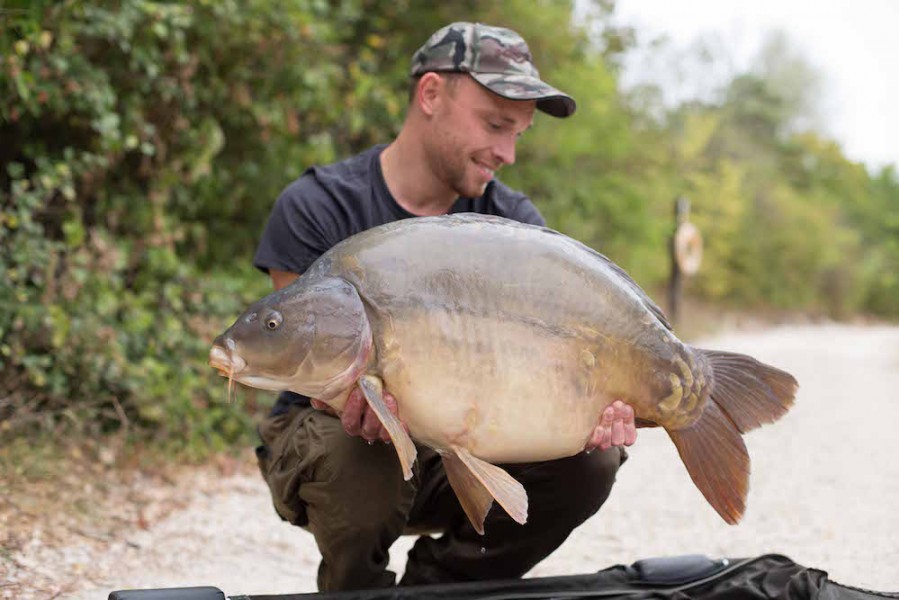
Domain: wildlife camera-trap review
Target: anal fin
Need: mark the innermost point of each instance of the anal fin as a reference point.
(373, 389)
(477, 483)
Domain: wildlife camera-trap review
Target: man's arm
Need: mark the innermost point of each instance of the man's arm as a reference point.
(282, 279)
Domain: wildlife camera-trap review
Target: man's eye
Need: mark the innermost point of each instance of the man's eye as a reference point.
(494, 126)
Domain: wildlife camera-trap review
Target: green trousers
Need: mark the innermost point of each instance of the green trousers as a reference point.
(351, 496)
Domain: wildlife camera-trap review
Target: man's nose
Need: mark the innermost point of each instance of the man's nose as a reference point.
(505, 149)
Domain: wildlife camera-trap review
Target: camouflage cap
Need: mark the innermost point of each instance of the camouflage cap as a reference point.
(495, 57)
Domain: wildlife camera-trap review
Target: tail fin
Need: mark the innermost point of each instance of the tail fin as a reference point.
(717, 461)
(751, 393)
(745, 394)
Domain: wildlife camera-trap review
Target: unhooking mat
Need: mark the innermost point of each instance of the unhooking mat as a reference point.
(770, 576)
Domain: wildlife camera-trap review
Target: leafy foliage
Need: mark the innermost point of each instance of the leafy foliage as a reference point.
(143, 143)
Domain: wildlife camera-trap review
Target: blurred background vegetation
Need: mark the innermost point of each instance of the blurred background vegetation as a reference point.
(142, 144)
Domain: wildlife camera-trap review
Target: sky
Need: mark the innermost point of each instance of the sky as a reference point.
(854, 44)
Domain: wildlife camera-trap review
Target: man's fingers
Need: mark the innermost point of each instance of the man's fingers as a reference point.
(384, 436)
(607, 424)
(371, 425)
(630, 434)
(351, 418)
(616, 427)
(605, 441)
(630, 426)
(608, 415)
(360, 420)
(617, 434)
(625, 412)
(620, 410)
(390, 402)
(620, 413)
(601, 429)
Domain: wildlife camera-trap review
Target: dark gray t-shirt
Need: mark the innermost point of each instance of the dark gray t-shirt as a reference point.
(328, 204)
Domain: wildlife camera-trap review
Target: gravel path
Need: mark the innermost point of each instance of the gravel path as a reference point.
(824, 491)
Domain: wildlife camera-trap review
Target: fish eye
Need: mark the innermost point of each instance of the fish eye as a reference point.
(273, 321)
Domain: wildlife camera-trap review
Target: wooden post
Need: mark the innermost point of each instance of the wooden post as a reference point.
(675, 285)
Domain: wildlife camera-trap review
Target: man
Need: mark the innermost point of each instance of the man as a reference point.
(475, 90)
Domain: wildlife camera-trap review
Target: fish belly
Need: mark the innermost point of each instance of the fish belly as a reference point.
(506, 391)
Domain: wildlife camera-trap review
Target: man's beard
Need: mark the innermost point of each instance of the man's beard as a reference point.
(463, 184)
(454, 169)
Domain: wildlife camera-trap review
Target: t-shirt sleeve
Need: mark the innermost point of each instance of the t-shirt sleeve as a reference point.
(300, 228)
(526, 212)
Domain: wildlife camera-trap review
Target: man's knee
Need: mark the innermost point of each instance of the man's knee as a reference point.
(356, 503)
(359, 484)
(317, 471)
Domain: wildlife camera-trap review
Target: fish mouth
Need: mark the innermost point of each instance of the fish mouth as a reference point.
(232, 366)
(227, 363)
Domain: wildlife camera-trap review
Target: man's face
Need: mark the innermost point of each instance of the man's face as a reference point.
(475, 132)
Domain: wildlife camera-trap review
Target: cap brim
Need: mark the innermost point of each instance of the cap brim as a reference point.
(524, 87)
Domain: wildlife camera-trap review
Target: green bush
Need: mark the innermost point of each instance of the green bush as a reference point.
(142, 144)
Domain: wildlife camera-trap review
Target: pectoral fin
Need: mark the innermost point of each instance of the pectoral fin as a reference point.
(373, 389)
(477, 483)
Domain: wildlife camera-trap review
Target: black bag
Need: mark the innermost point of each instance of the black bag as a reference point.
(770, 576)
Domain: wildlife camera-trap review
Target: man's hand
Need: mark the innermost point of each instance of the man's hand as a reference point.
(359, 419)
(616, 427)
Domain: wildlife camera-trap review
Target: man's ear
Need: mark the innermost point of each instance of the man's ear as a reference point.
(429, 94)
